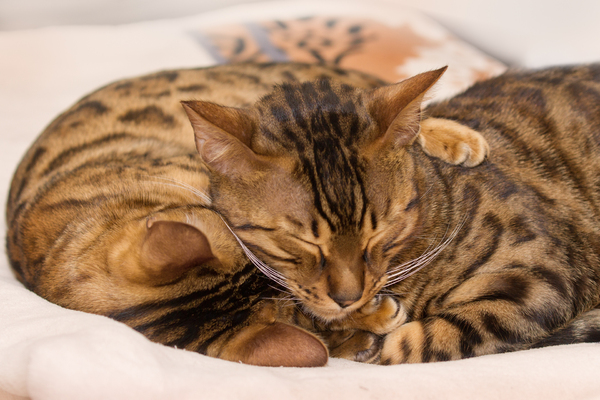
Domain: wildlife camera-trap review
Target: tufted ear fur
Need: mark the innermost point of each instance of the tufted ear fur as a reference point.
(170, 249)
(397, 108)
(223, 136)
(276, 345)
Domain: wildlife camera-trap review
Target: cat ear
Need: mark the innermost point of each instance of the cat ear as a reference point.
(222, 136)
(397, 108)
(170, 249)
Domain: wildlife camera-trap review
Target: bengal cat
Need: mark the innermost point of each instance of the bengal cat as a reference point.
(382, 252)
(110, 212)
(402, 257)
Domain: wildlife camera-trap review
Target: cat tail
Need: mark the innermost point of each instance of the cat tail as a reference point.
(583, 329)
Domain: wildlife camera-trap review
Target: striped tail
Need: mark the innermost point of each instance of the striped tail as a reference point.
(583, 329)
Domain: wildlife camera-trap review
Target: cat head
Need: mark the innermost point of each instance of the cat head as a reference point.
(315, 181)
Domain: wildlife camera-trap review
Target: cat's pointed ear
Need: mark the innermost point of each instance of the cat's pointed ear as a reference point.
(170, 249)
(223, 135)
(397, 108)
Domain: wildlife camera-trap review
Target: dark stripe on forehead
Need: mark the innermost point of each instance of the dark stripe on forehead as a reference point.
(309, 94)
(309, 170)
(315, 228)
(320, 121)
(361, 184)
(279, 113)
(292, 137)
(340, 183)
(333, 162)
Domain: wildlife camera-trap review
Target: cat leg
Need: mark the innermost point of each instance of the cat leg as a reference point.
(452, 142)
(276, 345)
(269, 340)
(487, 314)
(162, 255)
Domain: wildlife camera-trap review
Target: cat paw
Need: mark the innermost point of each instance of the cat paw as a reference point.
(381, 315)
(360, 346)
(452, 142)
(360, 336)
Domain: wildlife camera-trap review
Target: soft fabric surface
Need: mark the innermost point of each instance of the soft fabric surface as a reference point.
(47, 352)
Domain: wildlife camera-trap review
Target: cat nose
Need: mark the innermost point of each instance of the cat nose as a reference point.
(345, 301)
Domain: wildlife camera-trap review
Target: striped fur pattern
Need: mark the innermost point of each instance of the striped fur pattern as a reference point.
(524, 267)
(444, 262)
(368, 247)
(113, 212)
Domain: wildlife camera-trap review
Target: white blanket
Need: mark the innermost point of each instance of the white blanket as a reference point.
(47, 352)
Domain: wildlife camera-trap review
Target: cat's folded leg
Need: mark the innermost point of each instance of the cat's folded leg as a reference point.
(269, 341)
(452, 142)
(489, 313)
(276, 345)
(161, 254)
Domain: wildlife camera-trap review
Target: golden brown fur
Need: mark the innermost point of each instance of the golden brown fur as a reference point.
(111, 212)
(496, 258)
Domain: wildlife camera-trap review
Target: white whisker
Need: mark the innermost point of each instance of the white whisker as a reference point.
(286, 299)
(269, 272)
(417, 261)
(181, 185)
(280, 290)
(427, 191)
(409, 268)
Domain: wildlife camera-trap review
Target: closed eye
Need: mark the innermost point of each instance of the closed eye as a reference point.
(322, 258)
(288, 258)
(366, 256)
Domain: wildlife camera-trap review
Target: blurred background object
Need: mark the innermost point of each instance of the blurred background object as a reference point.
(528, 33)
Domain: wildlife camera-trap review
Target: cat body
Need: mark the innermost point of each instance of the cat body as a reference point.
(393, 256)
(524, 268)
(84, 201)
(109, 213)
(500, 257)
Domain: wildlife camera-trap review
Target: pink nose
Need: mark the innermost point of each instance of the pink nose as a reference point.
(345, 300)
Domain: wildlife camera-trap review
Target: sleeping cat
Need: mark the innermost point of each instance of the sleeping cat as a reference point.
(112, 211)
(398, 257)
(372, 247)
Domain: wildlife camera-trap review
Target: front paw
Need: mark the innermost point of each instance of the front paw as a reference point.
(360, 346)
(452, 142)
(381, 315)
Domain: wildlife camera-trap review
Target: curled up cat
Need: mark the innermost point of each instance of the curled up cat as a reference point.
(321, 212)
